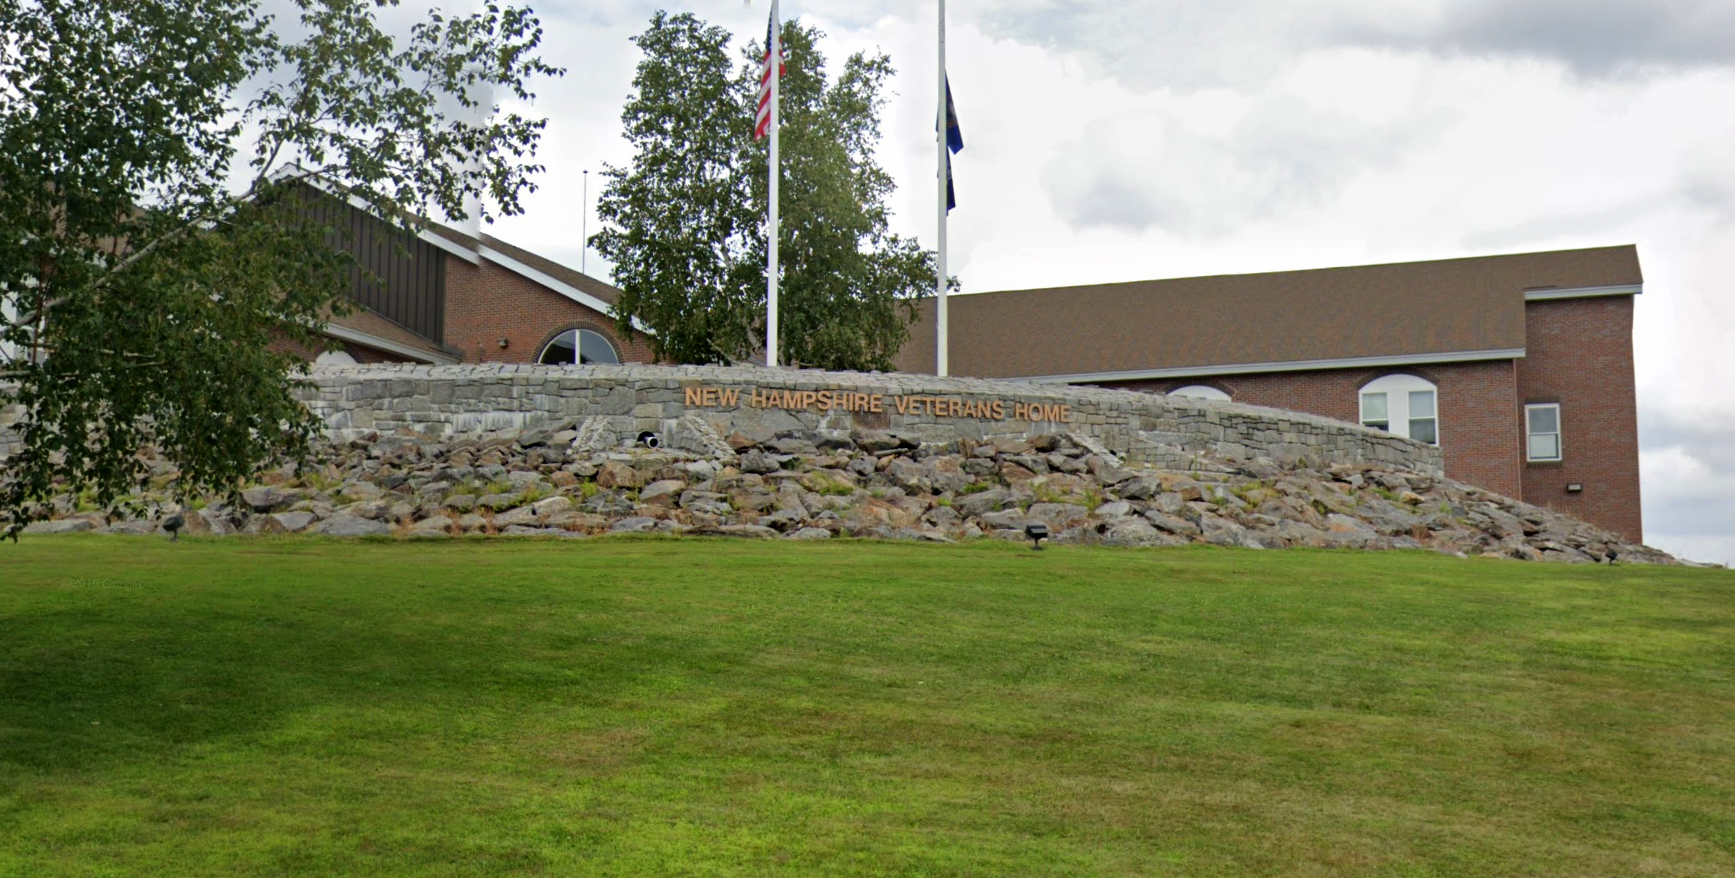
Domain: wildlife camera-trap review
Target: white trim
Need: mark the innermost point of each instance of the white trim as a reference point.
(449, 245)
(1398, 390)
(420, 355)
(578, 345)
(1583, 292)
(1559, 439)
(549, 281)
(1201, 391)
(1285, 366)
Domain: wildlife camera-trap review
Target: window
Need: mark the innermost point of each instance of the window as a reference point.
(1423, 424)
(580, 346)
(1373, 411)
(1200, 391)
(1404, 405)
(1543, 427)
(334, 358)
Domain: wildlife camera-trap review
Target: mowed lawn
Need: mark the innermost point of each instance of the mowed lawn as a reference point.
(646, 707)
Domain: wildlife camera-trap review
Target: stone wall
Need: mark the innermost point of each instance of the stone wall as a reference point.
(616, 406)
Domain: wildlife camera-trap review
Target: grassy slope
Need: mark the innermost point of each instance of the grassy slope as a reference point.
(649, 707)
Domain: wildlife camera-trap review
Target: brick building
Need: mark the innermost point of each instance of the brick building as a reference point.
(1519, 367)
(450, 297)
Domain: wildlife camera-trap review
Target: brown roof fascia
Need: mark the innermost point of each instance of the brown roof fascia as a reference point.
(1436, 308)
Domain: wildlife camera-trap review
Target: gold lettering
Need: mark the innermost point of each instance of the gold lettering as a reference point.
(709, 396)
(999, 410)
(1066, 414)
(754, 399)
(825, 400)
(876, 403)
(808, 398)
(693, 396)
(954, 408)
(903, 403)
(1019, 410)
(729, 397)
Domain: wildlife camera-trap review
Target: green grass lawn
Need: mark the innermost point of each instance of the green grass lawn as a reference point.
(689, 707)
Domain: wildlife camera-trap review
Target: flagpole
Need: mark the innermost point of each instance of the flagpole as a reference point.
(776, 61)
(940, 352)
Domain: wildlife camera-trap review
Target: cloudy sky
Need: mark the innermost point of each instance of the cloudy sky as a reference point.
(1138, 139)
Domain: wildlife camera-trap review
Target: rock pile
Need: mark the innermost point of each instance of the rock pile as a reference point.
(805, 485)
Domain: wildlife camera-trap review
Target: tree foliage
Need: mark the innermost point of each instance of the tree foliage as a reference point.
(158, 259)
(687, 222)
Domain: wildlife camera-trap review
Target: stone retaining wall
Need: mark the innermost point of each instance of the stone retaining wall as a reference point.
(691, 408)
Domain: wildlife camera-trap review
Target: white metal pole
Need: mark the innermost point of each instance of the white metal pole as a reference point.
(940, 353)
(584, 227)
(776, 61)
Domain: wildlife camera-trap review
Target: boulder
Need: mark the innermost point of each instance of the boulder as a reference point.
(1005, 519)
(497, 502)
(342, 525)
(1058, 516)
(438, 526)
(810, 533)
(665, 492)
(617, 474)
(267, 498)
(133, 528)
(295, 522)
(552, 506)
(521, 516)
(982, 502)
(62, 526)
(1136, 532)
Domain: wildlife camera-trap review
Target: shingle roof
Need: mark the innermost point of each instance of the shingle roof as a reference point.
(600, 289)
(1400, 309)
(604, 291)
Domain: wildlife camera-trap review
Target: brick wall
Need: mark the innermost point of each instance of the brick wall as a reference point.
(485, 303)
(1580, 354)
(1478, 428)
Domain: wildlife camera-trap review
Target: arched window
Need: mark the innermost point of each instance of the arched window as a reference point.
(1200, 391)
(1405, 405)
(334, 358)
(580, 346)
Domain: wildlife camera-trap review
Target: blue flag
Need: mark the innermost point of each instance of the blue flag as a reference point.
(954, 143)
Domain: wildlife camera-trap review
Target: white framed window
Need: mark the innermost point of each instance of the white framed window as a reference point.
(1404, 405)
(578, 346)
(1542, 429)
(1200, 391)
(335, 357)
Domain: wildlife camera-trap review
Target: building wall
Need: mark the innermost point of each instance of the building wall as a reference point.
(1478, 409)
(1580, 354)
(485, 303)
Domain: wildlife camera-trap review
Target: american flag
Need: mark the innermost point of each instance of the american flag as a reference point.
(762, 121)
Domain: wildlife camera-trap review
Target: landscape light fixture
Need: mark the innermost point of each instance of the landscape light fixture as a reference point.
(1037, 533)
(649, 439)
(1574, 487)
